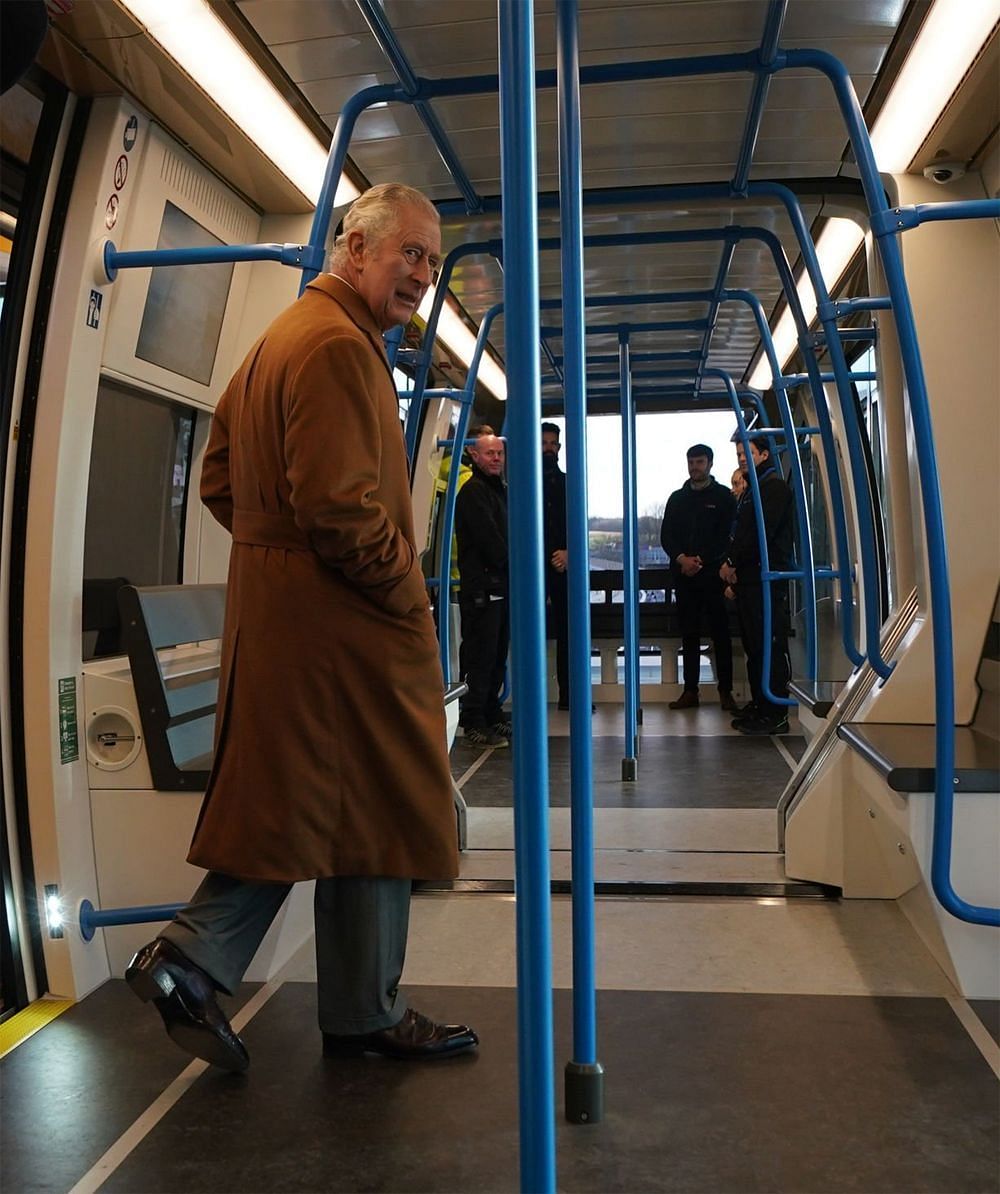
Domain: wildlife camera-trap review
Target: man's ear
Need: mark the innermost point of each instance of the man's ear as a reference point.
(356, 247)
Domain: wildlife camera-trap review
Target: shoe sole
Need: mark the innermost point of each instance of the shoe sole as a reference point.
(199, 1042)
(348, 1048)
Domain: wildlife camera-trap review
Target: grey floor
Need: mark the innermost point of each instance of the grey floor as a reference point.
(693, 772)
(794, 1046)
(704, 1092)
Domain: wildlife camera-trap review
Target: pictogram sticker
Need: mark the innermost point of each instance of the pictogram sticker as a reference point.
(121, 172)
(131, 132)
(111, 212)
(94, 309)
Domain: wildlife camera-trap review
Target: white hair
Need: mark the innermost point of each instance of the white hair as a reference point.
(375, 212)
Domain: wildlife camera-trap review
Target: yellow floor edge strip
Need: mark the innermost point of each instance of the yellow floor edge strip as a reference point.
(19, 1027)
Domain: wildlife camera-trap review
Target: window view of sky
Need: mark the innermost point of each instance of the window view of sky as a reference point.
(662, 441)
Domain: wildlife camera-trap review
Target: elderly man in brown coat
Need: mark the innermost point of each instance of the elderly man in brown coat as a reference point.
(328, 644)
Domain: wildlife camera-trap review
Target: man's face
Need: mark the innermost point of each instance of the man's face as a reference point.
(395, 272)
(757, 455)
(741, 458)
(699, 468)
(550, 444)
(488, 454)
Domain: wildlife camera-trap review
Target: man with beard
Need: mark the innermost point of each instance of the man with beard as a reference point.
(695, 535)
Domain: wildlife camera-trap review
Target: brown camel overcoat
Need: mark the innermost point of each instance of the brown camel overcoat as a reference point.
(331, 756)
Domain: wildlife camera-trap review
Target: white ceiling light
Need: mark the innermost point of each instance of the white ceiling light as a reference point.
(837, 244)
(951, 36)
(201, 45)
(454, 334)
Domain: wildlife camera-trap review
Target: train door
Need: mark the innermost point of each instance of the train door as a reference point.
(36, 116)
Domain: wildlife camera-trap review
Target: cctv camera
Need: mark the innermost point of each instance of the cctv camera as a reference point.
(944, 172)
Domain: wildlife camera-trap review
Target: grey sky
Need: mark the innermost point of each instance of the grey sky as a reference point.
(662, 441)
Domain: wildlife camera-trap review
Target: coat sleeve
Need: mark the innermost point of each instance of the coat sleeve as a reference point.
(215, 487)
(670, 530)
(333, 460)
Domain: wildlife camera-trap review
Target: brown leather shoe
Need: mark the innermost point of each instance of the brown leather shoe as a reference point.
(687, 700)
(415, 1037)
(726, 702)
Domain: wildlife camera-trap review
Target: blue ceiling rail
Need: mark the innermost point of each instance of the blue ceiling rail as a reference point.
(886, 226)
(885, 230)
(385, 35)
(768, 59)
(721, 274)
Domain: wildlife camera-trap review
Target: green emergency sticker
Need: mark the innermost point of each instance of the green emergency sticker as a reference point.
(69, 742)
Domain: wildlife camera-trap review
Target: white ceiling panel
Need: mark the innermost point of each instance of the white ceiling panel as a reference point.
(649, 133)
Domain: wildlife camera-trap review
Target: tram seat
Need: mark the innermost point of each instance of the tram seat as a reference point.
(904, 755)
(657, 618)
(171, 634)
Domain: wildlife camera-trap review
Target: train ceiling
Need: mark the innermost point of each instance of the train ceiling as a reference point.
(637, 134)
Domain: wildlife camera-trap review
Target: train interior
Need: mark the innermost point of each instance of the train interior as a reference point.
(783, 1001)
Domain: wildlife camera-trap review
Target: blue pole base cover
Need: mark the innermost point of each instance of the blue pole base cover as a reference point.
(629, 770)
(584, 1091)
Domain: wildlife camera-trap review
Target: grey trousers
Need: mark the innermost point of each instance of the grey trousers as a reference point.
(361, 928)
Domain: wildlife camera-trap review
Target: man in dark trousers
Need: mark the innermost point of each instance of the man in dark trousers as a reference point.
(327, 618)
(742, 571)
(554, 527)
(695, 535)
(481, 530)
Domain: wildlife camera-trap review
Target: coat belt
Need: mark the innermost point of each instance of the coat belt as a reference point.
(269, 530)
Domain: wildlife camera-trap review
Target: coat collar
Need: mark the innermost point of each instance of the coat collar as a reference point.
(355, 308)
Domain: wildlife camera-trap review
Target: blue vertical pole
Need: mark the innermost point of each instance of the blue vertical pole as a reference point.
(584, 1076)
(630, 535)
(519, 185)
(467, 398)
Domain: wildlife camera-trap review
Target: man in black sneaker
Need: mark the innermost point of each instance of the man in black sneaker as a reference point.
(742, 571)
(481, 531)
(695, 535)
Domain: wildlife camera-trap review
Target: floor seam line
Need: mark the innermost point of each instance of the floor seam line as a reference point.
(134, 1135)
(471, 771)
(786, 754)
(977, 1030)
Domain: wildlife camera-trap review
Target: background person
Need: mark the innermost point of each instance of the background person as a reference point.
(481, 529)
(742, 571)
(328, 646)
(695, 535)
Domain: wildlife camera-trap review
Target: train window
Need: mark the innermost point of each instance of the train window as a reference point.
(185, 304)
(140, 464)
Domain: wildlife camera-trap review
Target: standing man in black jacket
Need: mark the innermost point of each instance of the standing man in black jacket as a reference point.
(481, 531)
(554, 528)
(742, 571)
(695, 535)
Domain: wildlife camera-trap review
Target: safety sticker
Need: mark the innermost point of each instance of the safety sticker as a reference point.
(131, 132)
(69, 743)
(121, 172)
(111, 212)
(94, 309)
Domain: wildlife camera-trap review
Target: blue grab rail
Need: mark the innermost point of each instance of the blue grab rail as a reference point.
(584, 1101)
(527, 592)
